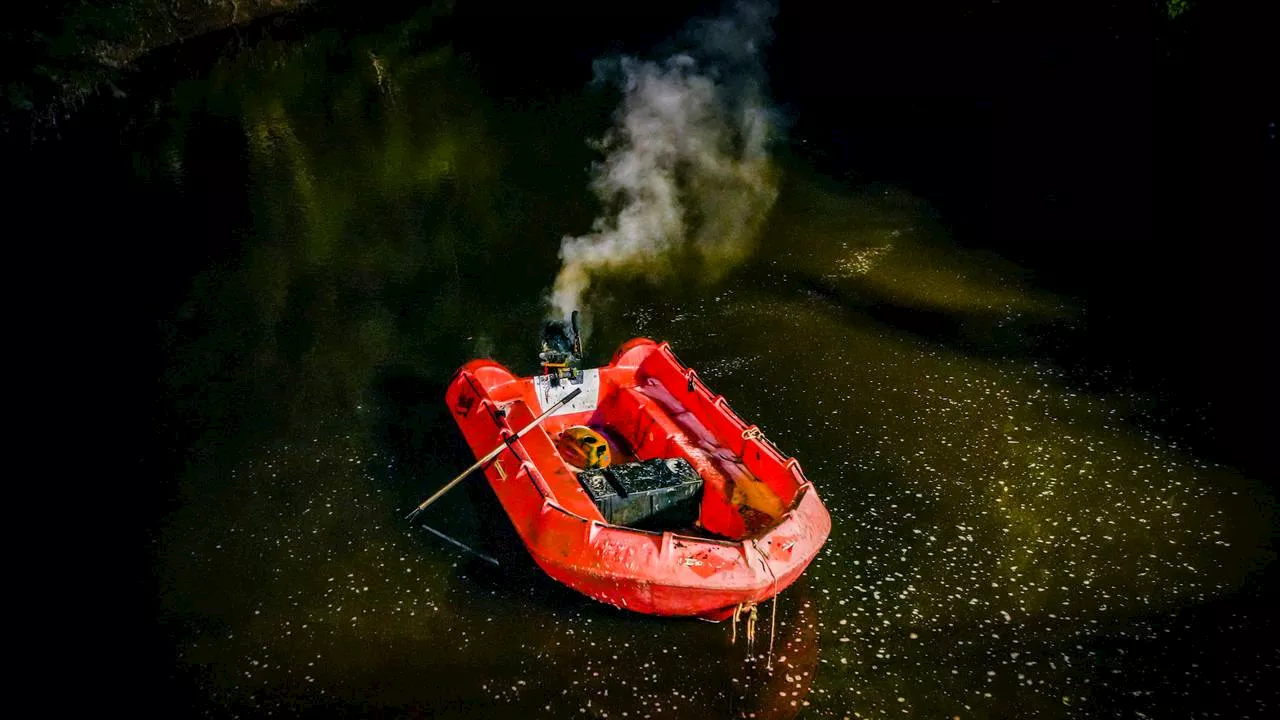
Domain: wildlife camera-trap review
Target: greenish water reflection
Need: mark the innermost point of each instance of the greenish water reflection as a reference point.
(1005, 543)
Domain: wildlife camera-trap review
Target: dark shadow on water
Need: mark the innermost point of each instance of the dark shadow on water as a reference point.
(424, 449)
(976, 334)
(412, 425)
(932, 324)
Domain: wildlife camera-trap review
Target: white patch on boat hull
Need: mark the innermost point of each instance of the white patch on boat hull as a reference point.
(549, 394)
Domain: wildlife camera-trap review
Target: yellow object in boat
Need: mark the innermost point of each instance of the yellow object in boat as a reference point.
(583, 447)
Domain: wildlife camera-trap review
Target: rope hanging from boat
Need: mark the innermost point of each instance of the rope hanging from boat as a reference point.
(749, 609)
(773, 611)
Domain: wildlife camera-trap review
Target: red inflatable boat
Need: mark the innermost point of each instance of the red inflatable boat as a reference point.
(751, 521)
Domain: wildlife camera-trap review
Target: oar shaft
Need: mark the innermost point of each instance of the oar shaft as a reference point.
(496, 451)
(493, 453)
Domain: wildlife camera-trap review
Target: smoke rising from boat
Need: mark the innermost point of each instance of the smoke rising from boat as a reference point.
(686, 170)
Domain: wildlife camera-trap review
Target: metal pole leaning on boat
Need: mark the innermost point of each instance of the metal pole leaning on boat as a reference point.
(493, 453)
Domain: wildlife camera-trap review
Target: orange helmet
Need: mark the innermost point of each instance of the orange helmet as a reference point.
(583, 447)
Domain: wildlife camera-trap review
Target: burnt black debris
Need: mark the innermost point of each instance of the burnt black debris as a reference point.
(653, 494)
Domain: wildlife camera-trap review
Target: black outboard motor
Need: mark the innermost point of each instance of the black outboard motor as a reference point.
(561, 354)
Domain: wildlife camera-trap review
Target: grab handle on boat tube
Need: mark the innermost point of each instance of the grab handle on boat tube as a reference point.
(493, 453)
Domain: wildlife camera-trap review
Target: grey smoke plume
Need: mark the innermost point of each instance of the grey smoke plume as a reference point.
(686, 165)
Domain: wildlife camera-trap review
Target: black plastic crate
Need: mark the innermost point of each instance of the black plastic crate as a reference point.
(659, 493)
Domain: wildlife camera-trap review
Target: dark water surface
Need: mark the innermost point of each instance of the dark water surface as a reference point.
(1008, 540)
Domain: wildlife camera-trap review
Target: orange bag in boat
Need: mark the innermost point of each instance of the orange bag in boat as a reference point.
(583, 447)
